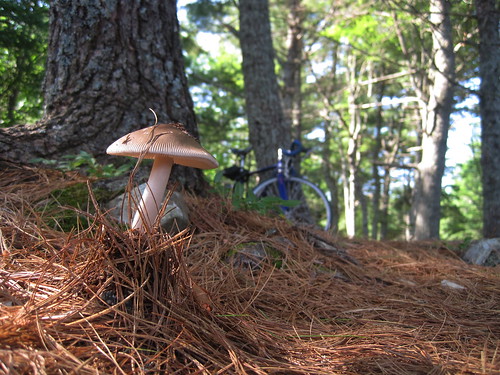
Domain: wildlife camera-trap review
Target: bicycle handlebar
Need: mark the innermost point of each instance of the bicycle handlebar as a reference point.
(295, 149)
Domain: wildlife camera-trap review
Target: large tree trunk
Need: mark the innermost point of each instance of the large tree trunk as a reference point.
(488, 15)
(108, 62)
(426, 209)
(292, 68)
(266, 122)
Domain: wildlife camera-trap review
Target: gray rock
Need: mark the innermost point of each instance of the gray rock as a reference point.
(249, 256)
(484, 252)
(452, 285)
(175, 218)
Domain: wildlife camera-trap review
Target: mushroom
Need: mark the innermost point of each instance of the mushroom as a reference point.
(167, 144)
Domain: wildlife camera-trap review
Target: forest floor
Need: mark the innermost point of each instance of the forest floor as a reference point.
(237, 293)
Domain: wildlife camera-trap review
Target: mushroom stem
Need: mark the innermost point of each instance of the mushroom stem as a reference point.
(152, 197)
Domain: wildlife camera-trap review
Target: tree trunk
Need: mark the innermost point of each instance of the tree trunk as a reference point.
(376, 202)
(266, 122)
(391, 146)
(351, 175)
(292, 67)
(349, 200)
(426, 210)
(384, 204)
(488, 15)
(353, 154)
(376, 152)
(108, 62)
(361, 198)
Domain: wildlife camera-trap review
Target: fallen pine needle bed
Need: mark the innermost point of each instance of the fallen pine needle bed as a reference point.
(237, 293)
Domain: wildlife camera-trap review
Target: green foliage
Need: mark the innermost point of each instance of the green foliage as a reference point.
(212, 15)
(86, 163)
(217, 91)
(364, 32)
(213, 67)
(23, 45)
(462, 204)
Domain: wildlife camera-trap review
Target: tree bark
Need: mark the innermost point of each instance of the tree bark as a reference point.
(488, 15)
(384, 204)
(353, 154)
(426, 209)
(391, 145)
(376, 152)
(268, 129)
(108, 62)
(361, 198)
(292, 68)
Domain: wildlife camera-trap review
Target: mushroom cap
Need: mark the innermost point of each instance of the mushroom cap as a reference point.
(170, 140)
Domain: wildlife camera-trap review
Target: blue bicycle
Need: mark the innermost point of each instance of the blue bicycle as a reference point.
(308, 205)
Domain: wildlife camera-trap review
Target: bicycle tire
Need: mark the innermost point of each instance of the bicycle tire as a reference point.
(314, 208)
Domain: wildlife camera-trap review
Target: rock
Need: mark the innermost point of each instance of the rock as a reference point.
(117, 184)
(249, 255)
(175, 219)
(484, 252)
(452, 285)
(326, 247)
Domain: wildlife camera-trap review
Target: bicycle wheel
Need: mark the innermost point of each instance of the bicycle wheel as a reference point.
(311, 207)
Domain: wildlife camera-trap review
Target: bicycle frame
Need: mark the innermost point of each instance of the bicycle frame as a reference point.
(279, 167)
(307, 203)
(282, 167)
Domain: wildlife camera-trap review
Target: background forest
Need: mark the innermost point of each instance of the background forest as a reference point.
(355, 81)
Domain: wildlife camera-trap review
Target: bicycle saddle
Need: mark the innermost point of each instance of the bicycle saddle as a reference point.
(241, 152)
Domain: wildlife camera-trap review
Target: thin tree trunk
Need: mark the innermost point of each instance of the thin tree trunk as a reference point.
(488, 15)
(353, 154)
(361, 198)
(384, 203)
(108, 62)
(350, 186)
(391, 146)
(426, 209)
(376, 151)
(11, 104)
(330, 177)
(330, 119)
(267, 125)
(376, 202)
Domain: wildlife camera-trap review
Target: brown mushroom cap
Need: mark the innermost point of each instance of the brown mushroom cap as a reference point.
(170, 140)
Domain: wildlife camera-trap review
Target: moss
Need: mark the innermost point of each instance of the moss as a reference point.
(62, 207)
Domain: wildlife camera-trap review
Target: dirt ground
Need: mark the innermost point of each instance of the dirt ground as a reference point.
(236, 293)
